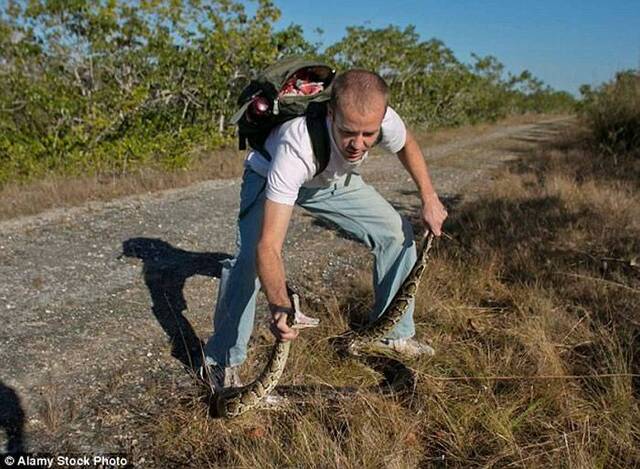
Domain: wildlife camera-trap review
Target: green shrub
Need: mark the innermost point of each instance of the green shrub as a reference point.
(612, 111)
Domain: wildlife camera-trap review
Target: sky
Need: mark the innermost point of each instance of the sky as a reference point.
(564, 43)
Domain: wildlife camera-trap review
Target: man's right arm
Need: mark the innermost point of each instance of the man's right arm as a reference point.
(271, 267)
(292, 165)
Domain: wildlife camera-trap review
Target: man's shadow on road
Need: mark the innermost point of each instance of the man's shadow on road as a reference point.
(166, 270)
(11, 419)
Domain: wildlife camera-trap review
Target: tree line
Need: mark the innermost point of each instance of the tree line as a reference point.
(109, 86)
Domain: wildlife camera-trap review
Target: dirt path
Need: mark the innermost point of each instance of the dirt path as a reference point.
(90, 295)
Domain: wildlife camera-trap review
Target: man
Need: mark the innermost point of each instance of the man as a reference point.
(357, 113)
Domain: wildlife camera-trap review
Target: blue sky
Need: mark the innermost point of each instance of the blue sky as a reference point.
(564, 43)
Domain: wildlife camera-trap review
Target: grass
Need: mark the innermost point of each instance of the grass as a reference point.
(532, 305)
(20, 199)
(60, 191)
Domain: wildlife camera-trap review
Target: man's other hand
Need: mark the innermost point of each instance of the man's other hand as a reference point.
(433, 213)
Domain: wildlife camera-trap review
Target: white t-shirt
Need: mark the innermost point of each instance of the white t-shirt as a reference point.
(293, 163)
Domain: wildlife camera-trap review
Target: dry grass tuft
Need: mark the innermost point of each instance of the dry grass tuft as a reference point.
(58, 191)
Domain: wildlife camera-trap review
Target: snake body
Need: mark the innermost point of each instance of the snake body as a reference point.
(233, 402)
(357, 341)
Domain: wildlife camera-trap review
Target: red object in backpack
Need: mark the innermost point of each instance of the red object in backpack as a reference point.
(258, 108)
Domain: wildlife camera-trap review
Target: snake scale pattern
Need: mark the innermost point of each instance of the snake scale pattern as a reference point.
(233, 402)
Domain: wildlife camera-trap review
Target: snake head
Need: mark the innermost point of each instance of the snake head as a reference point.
(298, 320)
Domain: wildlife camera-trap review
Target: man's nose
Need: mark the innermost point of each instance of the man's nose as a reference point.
(358, 142)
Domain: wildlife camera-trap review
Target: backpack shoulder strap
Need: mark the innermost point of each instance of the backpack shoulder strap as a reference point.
(316, 125)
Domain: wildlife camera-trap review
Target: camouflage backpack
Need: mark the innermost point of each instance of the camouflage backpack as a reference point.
(292, 87)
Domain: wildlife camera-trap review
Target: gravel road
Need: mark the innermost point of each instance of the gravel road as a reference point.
(90, 296)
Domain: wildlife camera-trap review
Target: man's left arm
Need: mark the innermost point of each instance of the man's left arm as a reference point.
(433, 212)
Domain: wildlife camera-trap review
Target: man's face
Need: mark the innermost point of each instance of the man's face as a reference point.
(354, 132)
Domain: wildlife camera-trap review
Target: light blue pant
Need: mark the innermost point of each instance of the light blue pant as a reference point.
(352, 205)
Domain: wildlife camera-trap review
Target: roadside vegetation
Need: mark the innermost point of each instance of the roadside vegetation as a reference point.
(612, 111)
(532, 304)
(111, 88)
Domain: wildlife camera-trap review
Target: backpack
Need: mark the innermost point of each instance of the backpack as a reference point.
(291, 87)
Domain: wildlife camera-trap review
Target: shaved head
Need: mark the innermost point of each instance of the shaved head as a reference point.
(356, 111)
(360, 90)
